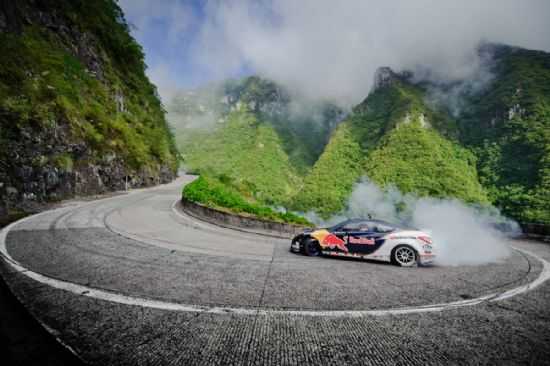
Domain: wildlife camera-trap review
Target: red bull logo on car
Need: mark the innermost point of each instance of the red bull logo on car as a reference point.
(329, 240)
(364, 241)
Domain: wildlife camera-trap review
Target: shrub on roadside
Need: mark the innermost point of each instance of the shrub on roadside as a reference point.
(212, 192)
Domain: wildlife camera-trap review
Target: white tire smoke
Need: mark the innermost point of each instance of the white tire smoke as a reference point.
(463, 234)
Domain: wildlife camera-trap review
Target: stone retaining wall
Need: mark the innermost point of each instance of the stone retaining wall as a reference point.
(238, 222)
(536, 231)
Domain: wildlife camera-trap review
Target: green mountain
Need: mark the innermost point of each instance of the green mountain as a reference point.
(253, 135)
(394, 138)
(420, 160)
(327, 187)
(494, 148)
(483, 141)
(77, 113)
(303, 126)
(248, 152)
(508, 126)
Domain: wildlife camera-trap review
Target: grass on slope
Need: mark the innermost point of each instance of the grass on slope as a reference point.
(419, 160)
(249, 152)
(331, 180)
(222, 193)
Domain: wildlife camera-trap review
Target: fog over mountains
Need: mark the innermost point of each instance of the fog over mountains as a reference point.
(299, 102)
(333, 51)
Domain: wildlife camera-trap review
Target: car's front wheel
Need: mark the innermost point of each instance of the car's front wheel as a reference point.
(311, 247)
(404, 256)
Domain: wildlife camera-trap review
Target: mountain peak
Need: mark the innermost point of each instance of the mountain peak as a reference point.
(384, 77)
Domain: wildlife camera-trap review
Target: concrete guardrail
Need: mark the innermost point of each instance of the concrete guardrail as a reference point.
(536, 231)
(239, 222)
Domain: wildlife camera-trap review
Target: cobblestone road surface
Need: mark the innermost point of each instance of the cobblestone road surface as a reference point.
(137, 246)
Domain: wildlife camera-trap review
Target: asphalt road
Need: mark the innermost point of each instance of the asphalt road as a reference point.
(130, 280)
(24, 340)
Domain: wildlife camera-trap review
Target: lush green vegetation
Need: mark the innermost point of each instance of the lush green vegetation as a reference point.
(508, 127)
(331, 180)
(253, 139)
(303, 126)
(44, 84)
(389, 106)
(394, 138)
(224, 193)
(419, 160)
(248, 151)
(496, 151)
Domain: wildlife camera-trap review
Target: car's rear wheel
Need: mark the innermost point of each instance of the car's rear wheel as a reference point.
(404, 256)
(311, 247)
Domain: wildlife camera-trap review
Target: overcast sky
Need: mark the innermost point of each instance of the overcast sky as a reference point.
(325, 48)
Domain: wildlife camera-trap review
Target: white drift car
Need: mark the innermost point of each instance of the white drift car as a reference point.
(368, 239)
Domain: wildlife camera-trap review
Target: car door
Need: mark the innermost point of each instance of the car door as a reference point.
(340, 232)
(363, 238)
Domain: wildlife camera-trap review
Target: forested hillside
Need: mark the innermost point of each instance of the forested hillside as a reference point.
(250, 153)
(77, 112)
(508, 126)
(253, 136)
(303, 126)
(394, 138)
(488, 144)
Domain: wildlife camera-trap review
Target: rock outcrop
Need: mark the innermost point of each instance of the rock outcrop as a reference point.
(384, 77)
(91, 123)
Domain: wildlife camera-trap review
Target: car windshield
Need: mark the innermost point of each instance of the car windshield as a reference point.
(352, 225)
(338, 226)
(383, 228)
(357, 226)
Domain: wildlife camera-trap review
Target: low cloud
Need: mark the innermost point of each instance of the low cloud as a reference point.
(327, 49)
(331, 49)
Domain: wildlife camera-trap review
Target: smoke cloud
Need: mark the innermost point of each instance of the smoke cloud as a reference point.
(330, 49)
(463, 235)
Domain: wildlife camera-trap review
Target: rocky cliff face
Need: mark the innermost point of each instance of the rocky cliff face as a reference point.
(78, 116)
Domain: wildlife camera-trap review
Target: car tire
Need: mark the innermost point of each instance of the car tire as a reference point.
(404, 256)
(311, 247)
(296, 242)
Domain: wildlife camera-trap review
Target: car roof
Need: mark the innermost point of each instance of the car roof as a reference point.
(376, 221)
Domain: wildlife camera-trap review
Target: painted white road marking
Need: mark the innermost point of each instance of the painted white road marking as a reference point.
(164, 305)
